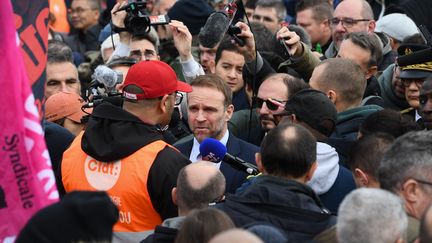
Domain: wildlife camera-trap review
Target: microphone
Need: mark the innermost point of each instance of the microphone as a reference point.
(116, 100)
(415, 57)
(108, 77)
(213, 150)
(214, 29)
(221, 22)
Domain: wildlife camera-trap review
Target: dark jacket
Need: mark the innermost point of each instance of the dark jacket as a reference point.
(82, 42)
(287, 204)
(347, 127)
(240, 100)
(349, 121)
(235, 147)
(238, 125)
(166, 232)
(113, 133)
(57, 139)
(372, 94)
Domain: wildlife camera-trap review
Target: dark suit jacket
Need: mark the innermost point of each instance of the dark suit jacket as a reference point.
(235, 147)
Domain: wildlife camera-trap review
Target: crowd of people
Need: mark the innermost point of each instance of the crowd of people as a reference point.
(315, 94)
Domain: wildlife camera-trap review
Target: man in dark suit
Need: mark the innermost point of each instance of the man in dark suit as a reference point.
(209, 110)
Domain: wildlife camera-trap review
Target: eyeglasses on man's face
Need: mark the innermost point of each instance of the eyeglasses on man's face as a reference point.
(408, 82)
(346, 22)
(78, 11)
(178, 98)
(139, 55)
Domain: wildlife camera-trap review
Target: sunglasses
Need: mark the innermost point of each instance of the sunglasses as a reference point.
(272, 104)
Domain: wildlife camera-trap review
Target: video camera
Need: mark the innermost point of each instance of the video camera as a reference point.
(138, 20)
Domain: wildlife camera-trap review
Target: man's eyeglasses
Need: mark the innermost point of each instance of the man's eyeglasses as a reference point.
(346, 22)
(78, 11)
(272, 104)
(178, 98)
(138, 55)
(423, 182)
(407, 82)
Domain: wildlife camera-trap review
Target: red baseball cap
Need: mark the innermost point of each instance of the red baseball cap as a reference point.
(155, 78)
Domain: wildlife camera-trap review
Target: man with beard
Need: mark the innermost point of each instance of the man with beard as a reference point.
(426, 103)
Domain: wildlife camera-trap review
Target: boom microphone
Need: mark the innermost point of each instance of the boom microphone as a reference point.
(106, 76)
(213, 150)
(214, 30)
(415, 57)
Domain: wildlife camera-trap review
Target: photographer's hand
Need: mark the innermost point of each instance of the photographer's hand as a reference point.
(118, 18)
(182, 39)
(248, 50)
(292, 41)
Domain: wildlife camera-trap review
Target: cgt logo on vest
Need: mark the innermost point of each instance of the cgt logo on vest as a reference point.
(102, 175)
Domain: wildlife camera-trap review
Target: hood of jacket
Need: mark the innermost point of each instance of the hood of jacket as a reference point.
(113, 133)
(331, 51)
(387, 93)
(327, 170)
(349, 121)
(384, 42)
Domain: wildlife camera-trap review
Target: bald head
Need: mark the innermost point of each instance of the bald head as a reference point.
(199, 184)
(358, 10)
(200, 173)
(236, 235)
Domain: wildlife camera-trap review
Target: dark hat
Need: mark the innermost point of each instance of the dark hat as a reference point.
(155, 78)
(314, 108)
(193, 13)
(81, 216)
(414, 71)
(406, 49)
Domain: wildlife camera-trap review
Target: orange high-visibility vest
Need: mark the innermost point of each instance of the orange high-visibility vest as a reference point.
(124, 180)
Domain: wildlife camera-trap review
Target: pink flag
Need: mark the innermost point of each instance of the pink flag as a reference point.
(27, 181)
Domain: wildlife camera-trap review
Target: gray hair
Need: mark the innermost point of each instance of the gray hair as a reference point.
(410, 156)
(383, 211)
(59, 52)
(278, 5)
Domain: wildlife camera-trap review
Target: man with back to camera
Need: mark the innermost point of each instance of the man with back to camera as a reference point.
(122, 151)
(199, 185)
(287, 161)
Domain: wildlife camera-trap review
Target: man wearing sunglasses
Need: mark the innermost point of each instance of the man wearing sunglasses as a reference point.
(270, 100)
(412, 77)
(123, 152)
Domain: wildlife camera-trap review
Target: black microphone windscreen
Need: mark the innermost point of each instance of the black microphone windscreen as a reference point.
(214, 30)
(415, 58)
